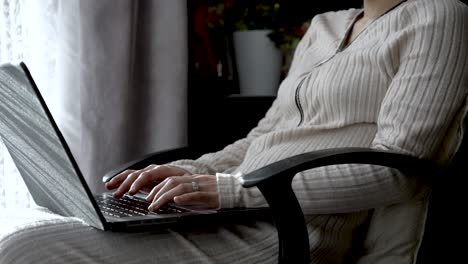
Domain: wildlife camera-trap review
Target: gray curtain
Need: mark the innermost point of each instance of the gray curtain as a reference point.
(121, 76)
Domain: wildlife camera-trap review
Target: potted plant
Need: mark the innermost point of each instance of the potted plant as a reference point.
(264, 39)
(261, 34)
(258, 59)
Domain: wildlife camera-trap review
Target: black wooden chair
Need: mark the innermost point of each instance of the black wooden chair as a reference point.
(444, 224)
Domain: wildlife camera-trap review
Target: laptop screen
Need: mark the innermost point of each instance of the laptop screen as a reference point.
(39, 150)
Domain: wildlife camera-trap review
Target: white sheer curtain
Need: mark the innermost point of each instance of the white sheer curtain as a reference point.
(27, 33)
(113, 73)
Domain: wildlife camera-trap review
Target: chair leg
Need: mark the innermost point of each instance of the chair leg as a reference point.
(289, 221)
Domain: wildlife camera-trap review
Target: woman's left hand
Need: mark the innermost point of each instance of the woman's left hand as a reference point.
(189, 189)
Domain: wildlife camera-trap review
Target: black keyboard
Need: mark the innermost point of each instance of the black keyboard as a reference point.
(131, 206)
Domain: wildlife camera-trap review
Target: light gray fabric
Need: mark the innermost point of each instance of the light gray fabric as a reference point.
(39, 237)
(122, 75)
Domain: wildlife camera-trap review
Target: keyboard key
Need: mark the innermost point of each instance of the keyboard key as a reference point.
(130, 206)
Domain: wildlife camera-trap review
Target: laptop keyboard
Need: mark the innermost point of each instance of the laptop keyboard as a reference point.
(131, 206)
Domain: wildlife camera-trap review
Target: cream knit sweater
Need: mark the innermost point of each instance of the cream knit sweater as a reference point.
(400, 85)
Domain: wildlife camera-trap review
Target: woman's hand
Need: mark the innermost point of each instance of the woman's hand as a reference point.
(166, 184)
(188, 189)
(133, 181)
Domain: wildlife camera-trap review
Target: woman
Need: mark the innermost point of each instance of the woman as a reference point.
(392, 76)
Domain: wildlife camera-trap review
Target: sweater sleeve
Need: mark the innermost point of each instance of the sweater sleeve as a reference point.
(423, 103)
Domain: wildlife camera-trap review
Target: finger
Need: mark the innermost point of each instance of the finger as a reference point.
(145, 178)
(168, 196)
(153, 192)
(131, 178)
(166, 185)
(117, 180)
(152, 174)
(208, 198)
(156, 189)
(123, 188)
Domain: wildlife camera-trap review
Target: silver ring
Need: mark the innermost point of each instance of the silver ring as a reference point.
(195, 187)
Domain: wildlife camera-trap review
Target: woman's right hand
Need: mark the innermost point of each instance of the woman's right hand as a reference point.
(133, 181)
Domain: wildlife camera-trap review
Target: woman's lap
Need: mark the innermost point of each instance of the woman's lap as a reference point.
(39, 237)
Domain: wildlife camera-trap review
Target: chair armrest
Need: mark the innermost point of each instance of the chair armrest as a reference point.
(276, 178)
(159, 157)
(295, 164)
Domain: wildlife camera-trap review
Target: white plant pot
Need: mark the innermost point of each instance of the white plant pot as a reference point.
(258, 62)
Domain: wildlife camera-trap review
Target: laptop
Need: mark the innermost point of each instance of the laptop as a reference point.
(55, 181)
